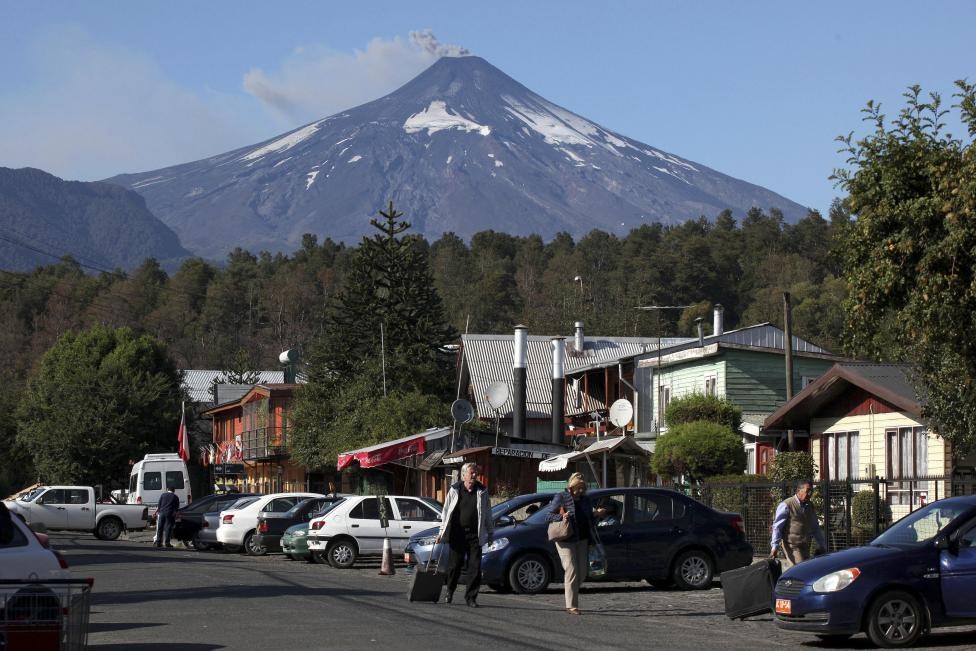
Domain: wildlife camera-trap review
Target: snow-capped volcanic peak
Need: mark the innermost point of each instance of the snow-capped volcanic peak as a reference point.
(460, 148)
(437, 117)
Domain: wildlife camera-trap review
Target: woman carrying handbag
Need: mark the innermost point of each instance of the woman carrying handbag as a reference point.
(573, 508)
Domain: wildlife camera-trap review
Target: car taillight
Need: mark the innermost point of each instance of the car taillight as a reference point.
(62, 561)
(138, 499)
(737, 523)
(318, 524)
(262, 527)
(228, 519)
(204, 525)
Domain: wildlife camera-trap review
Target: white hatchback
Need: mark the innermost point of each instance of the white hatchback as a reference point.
(24, 558)
(353, 527)
(237, 526)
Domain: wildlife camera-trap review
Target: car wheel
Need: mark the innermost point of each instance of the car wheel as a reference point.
(341, 554)
(660, 584)
(109, 528)
(529, 574)
(251, 546)
(895, 620)
(693, 570)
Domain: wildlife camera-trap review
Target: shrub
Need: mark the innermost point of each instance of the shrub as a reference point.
(726, 492)
(792, 466)
(698, 406)
(862, 512)
(698, 450)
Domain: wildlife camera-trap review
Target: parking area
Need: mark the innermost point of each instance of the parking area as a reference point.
(149, 598)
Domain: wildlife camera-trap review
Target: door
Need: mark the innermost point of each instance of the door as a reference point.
(81, 511)
(152, 487)
(413, 515)
(959, 576)
(654, 532)
(608, 519)
(50, 509)
(363, 523)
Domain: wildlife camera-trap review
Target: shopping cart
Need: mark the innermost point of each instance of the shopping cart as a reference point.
(49, 615)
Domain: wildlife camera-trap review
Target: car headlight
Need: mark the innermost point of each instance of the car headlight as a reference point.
(836, 580)
(426, 542)
(298, 534)
(495, 545)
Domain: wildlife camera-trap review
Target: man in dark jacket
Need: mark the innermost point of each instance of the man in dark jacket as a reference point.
(467, 524)
(169, 503)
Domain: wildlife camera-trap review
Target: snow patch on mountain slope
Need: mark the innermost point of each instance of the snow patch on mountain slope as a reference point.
(284, 143)
(311, 178)
(355, 159)
(437, 117)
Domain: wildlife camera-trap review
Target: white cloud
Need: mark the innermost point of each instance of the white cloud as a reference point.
(93, 111)
(315, 82)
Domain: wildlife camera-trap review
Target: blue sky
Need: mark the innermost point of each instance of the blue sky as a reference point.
(757, 90)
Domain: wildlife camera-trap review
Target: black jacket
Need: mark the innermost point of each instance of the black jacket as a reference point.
(168, 504)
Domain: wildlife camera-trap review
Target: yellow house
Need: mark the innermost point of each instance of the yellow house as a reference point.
(865, 420)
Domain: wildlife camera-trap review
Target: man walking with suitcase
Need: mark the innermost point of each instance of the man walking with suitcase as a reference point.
(795, 525)
(466, 522)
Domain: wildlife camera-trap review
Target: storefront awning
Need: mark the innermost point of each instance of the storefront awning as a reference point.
(614, 445)
(381, 453)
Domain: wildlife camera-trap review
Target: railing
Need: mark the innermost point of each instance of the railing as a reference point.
(848, 518)
(264, 443)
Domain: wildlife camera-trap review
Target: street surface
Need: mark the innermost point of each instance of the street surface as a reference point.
(147, 598)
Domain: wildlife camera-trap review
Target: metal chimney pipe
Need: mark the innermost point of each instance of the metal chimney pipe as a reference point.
(578, 339)
(558, 388)
(718, 319)
(519, 371)
(701, 334)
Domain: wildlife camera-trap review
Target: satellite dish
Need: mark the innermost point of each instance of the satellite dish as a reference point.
(621, 411)
(462, 411)
(497, 394)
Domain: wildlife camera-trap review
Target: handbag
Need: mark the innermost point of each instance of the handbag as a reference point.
(560, 530)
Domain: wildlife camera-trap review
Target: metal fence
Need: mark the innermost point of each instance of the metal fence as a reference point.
(852, 511)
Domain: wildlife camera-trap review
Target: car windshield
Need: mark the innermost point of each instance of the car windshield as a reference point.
(328, 506)
(241, 503)
(31, 495)
(922, 525)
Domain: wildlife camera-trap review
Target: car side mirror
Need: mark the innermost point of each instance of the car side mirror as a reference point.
(504, 521)
(943, 542)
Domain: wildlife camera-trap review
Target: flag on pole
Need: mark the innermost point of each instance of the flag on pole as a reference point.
(182, 440)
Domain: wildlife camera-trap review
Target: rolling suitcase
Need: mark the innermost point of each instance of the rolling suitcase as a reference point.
(426, 584)
(748, 590)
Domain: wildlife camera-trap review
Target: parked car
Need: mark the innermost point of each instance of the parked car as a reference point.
(652, 534)
(239, 526)
(918, 575)
(189, 519)
(206, 537)
(352, 528)
(154, 474)
(24, 555)
(272, 524)
(505, 514)
(294, 543)
(73, 508)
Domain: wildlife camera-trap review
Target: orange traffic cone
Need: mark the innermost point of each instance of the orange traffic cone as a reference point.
(386, 567)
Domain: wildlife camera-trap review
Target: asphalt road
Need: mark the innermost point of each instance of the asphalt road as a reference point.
(147, 598)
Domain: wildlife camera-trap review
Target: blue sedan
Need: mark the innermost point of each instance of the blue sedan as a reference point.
(918, 575)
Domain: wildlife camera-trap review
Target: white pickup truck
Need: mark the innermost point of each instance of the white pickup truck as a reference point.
(74, 508)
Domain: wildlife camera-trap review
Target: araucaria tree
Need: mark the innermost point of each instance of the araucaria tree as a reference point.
(910, 253)
(98, 400)
(385, 332)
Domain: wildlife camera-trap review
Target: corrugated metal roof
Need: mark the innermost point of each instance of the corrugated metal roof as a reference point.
(763, 335)
(893, 377)
(489, 359)
(197, 382)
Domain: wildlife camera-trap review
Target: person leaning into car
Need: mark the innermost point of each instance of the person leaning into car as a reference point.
(574, 505)
(467, 524)
(795, 525)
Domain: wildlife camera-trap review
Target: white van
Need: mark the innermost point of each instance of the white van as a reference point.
(156, 473)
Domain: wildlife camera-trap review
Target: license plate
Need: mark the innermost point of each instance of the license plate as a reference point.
(784, 606)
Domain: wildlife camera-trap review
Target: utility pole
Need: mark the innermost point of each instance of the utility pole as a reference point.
(788, 349)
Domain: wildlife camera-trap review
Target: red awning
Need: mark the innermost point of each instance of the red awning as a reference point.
(377, 455)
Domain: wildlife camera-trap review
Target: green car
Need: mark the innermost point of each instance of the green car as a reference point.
(294, 543)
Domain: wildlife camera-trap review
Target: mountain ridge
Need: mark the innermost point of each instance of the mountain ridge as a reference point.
(460, 148)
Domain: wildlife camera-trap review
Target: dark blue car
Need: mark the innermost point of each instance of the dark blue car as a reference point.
(648, 534)
(918, 575)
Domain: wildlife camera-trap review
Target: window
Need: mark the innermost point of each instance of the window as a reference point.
(152, 481)
(52, 497)
(280, 505)
(415, 510)
(77, 496)
(651, 508)
(711, 384)
(367, 509)
(665, 400)
(907, 455)
(174, 480)
(132, 483)
(805, 380)
(840, 457)
(608, 511)
(12, 536)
